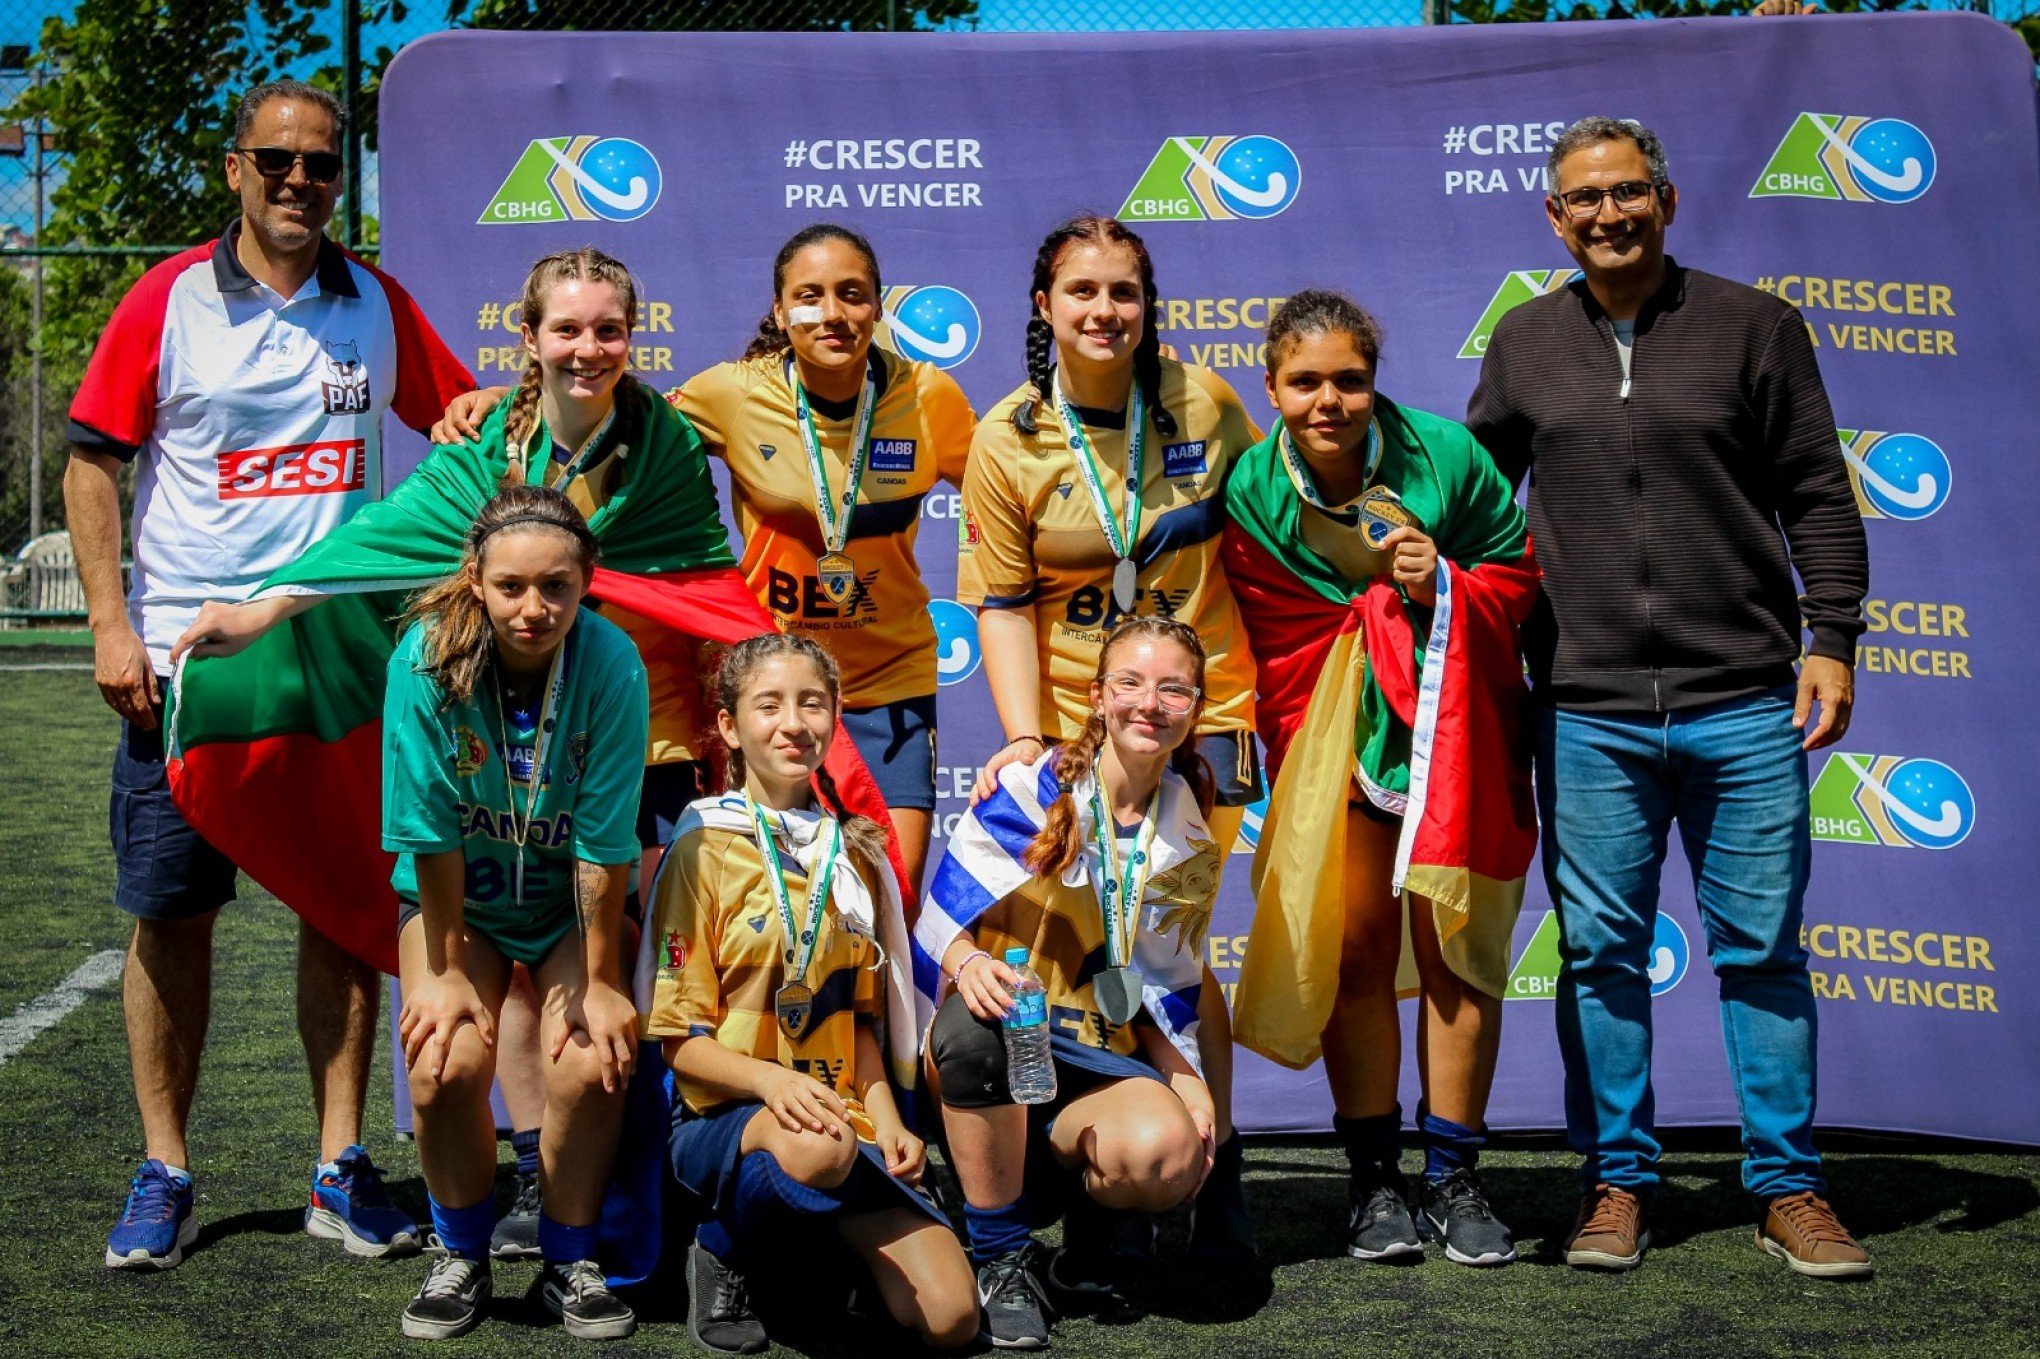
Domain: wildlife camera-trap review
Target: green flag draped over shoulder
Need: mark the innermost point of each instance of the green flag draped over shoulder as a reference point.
(275, 753)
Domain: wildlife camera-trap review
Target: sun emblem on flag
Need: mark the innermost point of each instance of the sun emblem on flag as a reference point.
(1181, 899)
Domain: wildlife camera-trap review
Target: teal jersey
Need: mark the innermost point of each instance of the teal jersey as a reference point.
(452, 775)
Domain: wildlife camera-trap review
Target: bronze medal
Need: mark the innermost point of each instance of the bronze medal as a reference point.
(795, 1005)
(838, 575)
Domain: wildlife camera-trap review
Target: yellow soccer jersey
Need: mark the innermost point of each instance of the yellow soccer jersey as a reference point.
(1031, 536)
(881, 636)
(721, 960)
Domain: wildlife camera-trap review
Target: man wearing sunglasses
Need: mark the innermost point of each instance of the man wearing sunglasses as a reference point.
(246, 379)
(1683, 465)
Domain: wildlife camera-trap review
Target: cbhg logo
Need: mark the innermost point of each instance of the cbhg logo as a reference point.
(1842, 156)
(956, 641)
(932, 324)
(1892, 800)
(1535, 976)
(1215, 179)
(1517, 288)
(577, 179)
(1896, 476)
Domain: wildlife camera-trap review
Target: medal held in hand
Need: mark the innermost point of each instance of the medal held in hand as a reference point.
(1121, 539)
(794, 1002)
(1382, 513)
(836, 573)
(1117, 989)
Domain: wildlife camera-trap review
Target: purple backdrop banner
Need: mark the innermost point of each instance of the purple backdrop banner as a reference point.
(1871, 170)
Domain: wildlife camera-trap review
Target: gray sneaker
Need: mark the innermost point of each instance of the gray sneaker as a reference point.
(1457, 1216)
(450, 1301)
(1015, 1308)
(579, 1296)
(1379, 1225)
(719, 1314)
(516, 1235)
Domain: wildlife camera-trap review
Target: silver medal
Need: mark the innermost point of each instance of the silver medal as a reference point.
(1117, 991)
(1124, 579)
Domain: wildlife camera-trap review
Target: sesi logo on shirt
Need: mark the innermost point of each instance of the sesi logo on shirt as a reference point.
(325, 467)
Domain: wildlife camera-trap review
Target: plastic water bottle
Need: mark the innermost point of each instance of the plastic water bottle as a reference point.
(1030, 1073)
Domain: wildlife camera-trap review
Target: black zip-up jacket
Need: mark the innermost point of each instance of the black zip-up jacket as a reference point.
(1668, 522)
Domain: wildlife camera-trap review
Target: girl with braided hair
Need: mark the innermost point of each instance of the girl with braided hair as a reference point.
(832, 442)
(513, 743)
(1054, 551)
(776, 971)
(1096, 858)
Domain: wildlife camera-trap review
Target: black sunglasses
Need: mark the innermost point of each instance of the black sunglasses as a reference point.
(273, 162)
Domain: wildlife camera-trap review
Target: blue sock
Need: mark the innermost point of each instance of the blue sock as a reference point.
(465, 1231)
(561, 1244)
(1447, 1145)
(715, 1238)
(995, 1232)
(525, 1144)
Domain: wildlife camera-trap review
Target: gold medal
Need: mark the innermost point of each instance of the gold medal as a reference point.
(795, 1005)
(1382, 513)
(838, 575)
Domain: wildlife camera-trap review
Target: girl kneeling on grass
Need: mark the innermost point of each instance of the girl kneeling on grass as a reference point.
(1097, 860)
(774, 913)
(513, 746)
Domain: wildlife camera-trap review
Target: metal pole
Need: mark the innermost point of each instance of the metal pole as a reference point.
(1437, 11)
(350, 68)
(35, 423)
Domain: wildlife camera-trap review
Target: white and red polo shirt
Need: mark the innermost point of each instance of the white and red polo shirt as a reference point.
(260, 416)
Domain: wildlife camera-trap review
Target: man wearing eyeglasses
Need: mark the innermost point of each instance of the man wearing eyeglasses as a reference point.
(246, 379)
(1683, 464)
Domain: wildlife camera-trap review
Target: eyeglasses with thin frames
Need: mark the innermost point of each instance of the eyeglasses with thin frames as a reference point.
(1630, 196)
(274, 162)
(1127, 689)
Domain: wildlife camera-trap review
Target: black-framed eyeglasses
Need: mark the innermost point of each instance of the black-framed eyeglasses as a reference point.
(274, 162)
(1629, 196)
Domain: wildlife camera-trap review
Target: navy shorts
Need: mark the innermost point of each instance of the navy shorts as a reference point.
(1234, 766)
(663, 798)
(167, 871)
(897, 741)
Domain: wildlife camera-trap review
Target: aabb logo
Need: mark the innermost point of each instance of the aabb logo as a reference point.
(1854, 159)
(577, 179)
(1517, 288)
(1906, 803)
(1896, 476)
(323, 468)
(1215, 179)
(931, 323)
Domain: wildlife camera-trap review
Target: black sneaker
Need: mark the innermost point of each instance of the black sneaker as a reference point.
(516, 1235)
(1456, 1215)
(579, 1296)
(1009, 1290)
(1379, 1226)
(719, 1314)
(450, 1301)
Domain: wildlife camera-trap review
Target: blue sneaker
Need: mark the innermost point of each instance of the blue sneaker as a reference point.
(350, 1206)
(156, 1227)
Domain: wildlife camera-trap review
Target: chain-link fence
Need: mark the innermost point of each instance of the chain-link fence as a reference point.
(113, 119)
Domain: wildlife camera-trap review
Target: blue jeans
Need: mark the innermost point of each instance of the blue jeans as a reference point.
(1609, 787)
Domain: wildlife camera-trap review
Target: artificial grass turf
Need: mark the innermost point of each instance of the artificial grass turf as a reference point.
(1956, 1236)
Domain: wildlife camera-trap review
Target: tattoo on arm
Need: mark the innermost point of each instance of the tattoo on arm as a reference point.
(590, 882)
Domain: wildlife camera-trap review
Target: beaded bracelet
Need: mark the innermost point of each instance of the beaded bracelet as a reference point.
(956, 977)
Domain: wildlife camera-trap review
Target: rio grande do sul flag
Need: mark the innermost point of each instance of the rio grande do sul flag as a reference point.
(1346, 687)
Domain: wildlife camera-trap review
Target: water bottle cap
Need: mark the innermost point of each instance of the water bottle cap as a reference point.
(1016, 957)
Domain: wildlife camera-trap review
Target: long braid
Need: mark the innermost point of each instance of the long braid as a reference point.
(1147, 372)
(864, 837)
(519, 425)
(1060, 841)
(1040, 372)
(1147, 355)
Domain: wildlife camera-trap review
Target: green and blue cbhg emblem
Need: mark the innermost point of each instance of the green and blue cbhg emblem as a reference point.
(577, 179)
(1893, 800)
(1215, 179)
(1535, 975)
(957, 654)
(1896, 476)
(932, 323)
(1518, 287)
(1849, 158)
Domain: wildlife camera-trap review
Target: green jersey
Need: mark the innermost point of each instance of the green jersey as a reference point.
(459, 775)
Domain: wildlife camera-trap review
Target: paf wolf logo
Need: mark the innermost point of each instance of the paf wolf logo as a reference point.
(1855, 159)
(1215, 179)
(1892, 800)
(1517, 288)
(344, 384)
(577, 179)
(1895, 476)
(931, 323)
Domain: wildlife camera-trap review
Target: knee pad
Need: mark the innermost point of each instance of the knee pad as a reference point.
(970, 1057)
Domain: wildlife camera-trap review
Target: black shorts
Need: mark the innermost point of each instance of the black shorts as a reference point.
(167, 870)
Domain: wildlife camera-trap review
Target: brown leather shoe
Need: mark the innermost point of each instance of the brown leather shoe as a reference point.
(1802, 1230)
(1609, 1232)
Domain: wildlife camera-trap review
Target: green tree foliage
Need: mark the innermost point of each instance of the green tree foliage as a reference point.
(1539, 11)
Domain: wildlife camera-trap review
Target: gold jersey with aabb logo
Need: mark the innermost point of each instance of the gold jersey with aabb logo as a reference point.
(881, 636)
(720, 950)
(1031, 536)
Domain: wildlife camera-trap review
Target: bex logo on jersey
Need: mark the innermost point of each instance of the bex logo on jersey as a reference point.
(802, 596)
(892, 455)
(1215, 179)
(931, 324)
(1092, 607)
(345, 383)
(957, 654)
(1895, 476)
(1518, 287)
(325, 467)
(1183, 460)
(1855, 159)
(1535, 976)
(577, 179)
(1891, 800)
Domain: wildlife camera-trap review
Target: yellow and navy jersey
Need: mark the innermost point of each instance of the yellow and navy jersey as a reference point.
(720, 951)
(881, 636)
(1031, 536)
